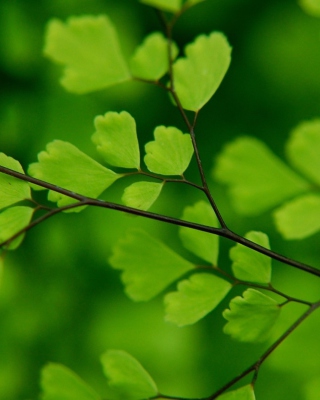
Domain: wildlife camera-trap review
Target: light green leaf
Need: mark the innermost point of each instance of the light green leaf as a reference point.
(311, 7)
(150, 60)
(195, 298)
(88, 48)
(303, 149)
(257, 179)
(12, 220)
(249, 265)
(243, 393)
(127, 379)
(116, 139)
(251, 317)
(170, 153)
(165, 5)
(148, 265)
(198, 76)
(202, 244)
(64, 165)
(60, 383)
(190, 3)
(299, 218)
(12, 190)
(141, 195)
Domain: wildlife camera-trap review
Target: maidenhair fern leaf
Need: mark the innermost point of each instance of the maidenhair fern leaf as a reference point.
(141, 195)
(60, 383)
(165, 5)
(116, 139)
(148, 265)
(151, 59)
(88, 48)
(127, 379)
(64, 165)
(199, 74)
(250, 265)
(243, 393)
(170, 153)
(12, 190)
(202, 244)
(195, 298)
(251, 317)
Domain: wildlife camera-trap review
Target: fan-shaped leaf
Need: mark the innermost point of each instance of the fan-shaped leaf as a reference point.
(311, 7)
(303, 149)
(60, 383)
(12, 220)
(202, 244)
(257, 179)
(243, 393)
(251, 317)
(199, 74)
(165, 5)
(127, 379)
(299, 218)
(116, 139)
(148, 265)
(64, 165)
(170, 153)
(195, 298)
(88, 48)
(141, 195)
(12, 190)
(151, 59)
(249, 265)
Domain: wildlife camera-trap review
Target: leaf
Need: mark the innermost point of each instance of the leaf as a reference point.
(170, 153)
(257, 179)
(311, 7)
(243, 393)
(127, 379)
(60, 383)
(64, 165)
(148, 265)
(12, 190)
(202, 244)
(88, 48)
(190, 3)
(12, 220)
(299, 218)
(251, 317)
(195, 298)
(116, 139)
(199, 74)
(165, 5)
(141, 195)
(303, 149)
(250, 265)
(150, 59)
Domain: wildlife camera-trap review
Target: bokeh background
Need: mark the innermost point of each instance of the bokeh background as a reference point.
(59, 299)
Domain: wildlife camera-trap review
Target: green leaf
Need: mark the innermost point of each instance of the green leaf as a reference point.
(165, 5)
(251, 317)
(60, 383)
(148, 265)
(116, 139)
(249, 265)
(243, 393)
(257, 179)
(12, 220)
(311, 7)
(195, 298)
(12, 190)
(299, 218)
(303, 149)
(64, 165)
(150, 60)
(170, 153)
(202, 244)
(199, 74)
(190, 3)
(141, 195)
(127, 379)
(88, 48)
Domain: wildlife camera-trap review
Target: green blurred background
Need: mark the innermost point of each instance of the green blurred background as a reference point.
(59, 299)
